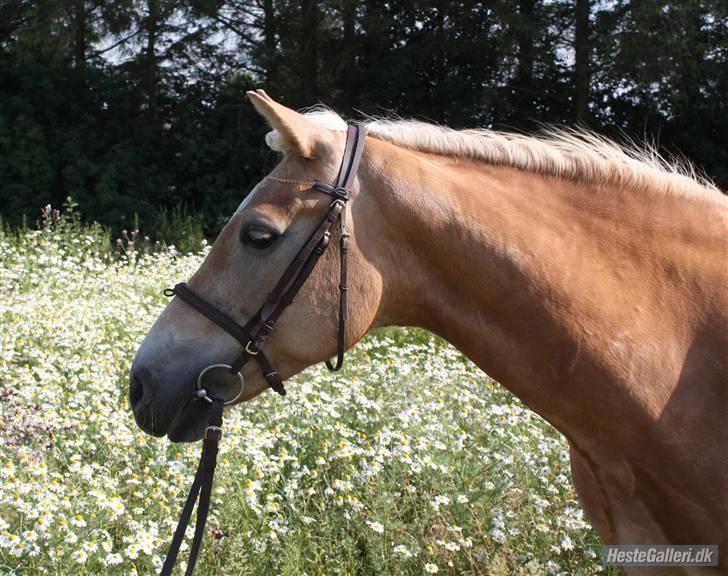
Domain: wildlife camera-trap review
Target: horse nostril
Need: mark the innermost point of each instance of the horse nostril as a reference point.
(136, 390)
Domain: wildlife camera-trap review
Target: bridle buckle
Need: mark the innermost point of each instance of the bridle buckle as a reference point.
(249, 351)
(217, 429)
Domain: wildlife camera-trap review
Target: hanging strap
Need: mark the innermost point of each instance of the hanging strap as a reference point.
(202, 488)
(355, 137)
(343, 292)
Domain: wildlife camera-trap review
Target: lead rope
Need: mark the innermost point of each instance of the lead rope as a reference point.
(202, 488)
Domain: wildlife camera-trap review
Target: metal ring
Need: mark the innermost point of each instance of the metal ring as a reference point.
(201, 391)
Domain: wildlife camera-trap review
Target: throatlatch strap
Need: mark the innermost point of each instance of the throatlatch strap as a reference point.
(343, 294)
(295, 275)
(202, 487)
(355, 137)
(303, 255)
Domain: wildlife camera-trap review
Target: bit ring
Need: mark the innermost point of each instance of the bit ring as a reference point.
(201, 391)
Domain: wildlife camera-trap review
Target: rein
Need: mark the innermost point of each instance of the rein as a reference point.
(253, 335)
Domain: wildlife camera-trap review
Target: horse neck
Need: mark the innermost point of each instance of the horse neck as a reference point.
(532, 277)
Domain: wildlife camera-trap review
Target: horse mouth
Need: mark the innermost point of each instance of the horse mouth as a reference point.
(187, 425)
(190, 422)
(182, 417)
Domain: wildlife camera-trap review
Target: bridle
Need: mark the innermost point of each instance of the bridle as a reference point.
(253, 335)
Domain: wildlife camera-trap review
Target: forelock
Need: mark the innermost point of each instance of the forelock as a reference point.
(320, 115)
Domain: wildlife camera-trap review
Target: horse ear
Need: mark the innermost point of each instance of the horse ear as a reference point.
(297, 132)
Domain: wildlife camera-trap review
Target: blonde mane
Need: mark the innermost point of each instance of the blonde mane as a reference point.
(570, 153)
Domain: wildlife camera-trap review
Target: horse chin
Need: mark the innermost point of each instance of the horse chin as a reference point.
(189, 425)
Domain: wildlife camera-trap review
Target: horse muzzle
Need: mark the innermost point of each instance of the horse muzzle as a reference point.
(175, 405)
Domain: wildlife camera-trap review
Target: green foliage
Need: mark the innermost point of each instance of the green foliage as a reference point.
(182, 229)
(67, 230)
(137, 106)
(669, 76)
(409, 459)
(57, 139)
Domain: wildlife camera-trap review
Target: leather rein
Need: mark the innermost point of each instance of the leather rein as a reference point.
(253, 335)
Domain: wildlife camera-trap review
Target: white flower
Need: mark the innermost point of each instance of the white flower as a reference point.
(113, 559)
(376, 526)
(132, 551)
(567, 543)
(79, 556)
(116, 506)
(553, 567)
(449, 546)
(431, 568)
(498, 535)
(30, 536)
(402, 550)
(342, 485)
(439, 500)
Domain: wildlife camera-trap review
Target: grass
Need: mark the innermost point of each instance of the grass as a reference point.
(410, 461)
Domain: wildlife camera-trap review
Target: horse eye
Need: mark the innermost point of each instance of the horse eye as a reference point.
(259, 238)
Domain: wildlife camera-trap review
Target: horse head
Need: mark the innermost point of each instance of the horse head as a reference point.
(253, 251)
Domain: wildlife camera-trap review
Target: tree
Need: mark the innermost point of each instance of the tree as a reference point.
(137, 105)
(582, 56)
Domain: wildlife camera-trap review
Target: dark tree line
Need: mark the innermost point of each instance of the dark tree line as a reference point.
(134, 105)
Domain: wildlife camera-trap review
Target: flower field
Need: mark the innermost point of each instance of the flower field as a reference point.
(410, 461)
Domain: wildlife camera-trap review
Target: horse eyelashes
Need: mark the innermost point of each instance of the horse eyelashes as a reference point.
(258, 238)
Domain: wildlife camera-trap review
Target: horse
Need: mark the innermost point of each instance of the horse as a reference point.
(588, 278)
